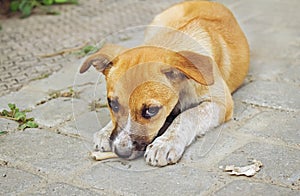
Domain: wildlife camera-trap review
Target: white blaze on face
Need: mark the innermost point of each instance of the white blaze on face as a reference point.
(123, 139)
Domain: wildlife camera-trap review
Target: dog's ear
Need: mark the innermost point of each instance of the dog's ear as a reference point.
(102, 59)
(196, 66)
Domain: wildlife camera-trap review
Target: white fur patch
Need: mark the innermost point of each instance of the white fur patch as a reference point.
(124, 136)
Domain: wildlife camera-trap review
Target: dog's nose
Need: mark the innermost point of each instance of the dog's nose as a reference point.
(123, 152)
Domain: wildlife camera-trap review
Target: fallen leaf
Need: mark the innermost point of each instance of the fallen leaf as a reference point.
(249, 170)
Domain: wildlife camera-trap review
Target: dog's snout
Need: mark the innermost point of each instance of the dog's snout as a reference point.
(123, 152)
(122, 145)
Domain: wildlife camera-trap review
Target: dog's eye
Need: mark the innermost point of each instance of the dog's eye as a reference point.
(114, 105)
(150, 112)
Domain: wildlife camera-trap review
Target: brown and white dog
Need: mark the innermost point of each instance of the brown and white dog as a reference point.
(175, 86)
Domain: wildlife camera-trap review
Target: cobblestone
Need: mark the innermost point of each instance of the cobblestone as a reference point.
(40, 34)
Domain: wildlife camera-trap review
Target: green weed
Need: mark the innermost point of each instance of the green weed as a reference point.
(19, 116)
(26, 6)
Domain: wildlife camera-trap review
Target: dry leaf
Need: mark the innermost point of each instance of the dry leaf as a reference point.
(249, 170)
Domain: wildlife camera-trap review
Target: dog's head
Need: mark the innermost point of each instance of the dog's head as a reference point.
(143, 88)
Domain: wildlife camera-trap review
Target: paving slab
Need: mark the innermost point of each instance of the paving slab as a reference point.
(275, 125)
(275, 69)
(93, 92)
(24, 99)
(86, 124)
(276, 95)
(291, 74)
(57, 111)
(64, 189)
(281, 165)
(246, 187)
(61, 80)
(8, 125)
(49, 152)
(14, 181)
(206, 152)
(242, 112)
(175, 180)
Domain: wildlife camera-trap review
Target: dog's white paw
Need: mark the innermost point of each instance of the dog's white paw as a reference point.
(164, 151)
(101, 141)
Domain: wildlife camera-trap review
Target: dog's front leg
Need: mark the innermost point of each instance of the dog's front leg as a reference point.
(101, 138)
(169, 147)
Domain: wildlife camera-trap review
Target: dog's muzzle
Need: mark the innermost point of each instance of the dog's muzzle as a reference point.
(122, 146)
(125, 147)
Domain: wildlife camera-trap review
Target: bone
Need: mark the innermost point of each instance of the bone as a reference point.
(99, 156)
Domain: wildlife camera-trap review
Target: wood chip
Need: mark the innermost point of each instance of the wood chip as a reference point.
(99, 156)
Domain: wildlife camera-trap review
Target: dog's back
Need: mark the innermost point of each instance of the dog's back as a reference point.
(212, 26)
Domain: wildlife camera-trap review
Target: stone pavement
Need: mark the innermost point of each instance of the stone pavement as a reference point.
(53, 159)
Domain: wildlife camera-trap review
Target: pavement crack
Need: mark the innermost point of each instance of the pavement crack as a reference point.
(278, 108)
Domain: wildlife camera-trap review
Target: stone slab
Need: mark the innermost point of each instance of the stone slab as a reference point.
(275, 95)
(174, 180)
(26, 98)
(14, 181)
(275, 69)
(86, 124)
(57, 111)
(49, 152)
(208, 150)
(61, 80)
(242, 112)
(275, 125)
(244, 187)
(64, 189)
(96, 91)
(291, 74)
(281, 164)
(8, 125)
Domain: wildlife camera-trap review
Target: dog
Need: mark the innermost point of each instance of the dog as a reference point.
(175, 86)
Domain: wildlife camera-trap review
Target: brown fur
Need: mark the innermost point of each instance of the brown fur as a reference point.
(218, 22)
(174, 74)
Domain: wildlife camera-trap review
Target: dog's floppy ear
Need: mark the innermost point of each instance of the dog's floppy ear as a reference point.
(196, 66)
(102, 59)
